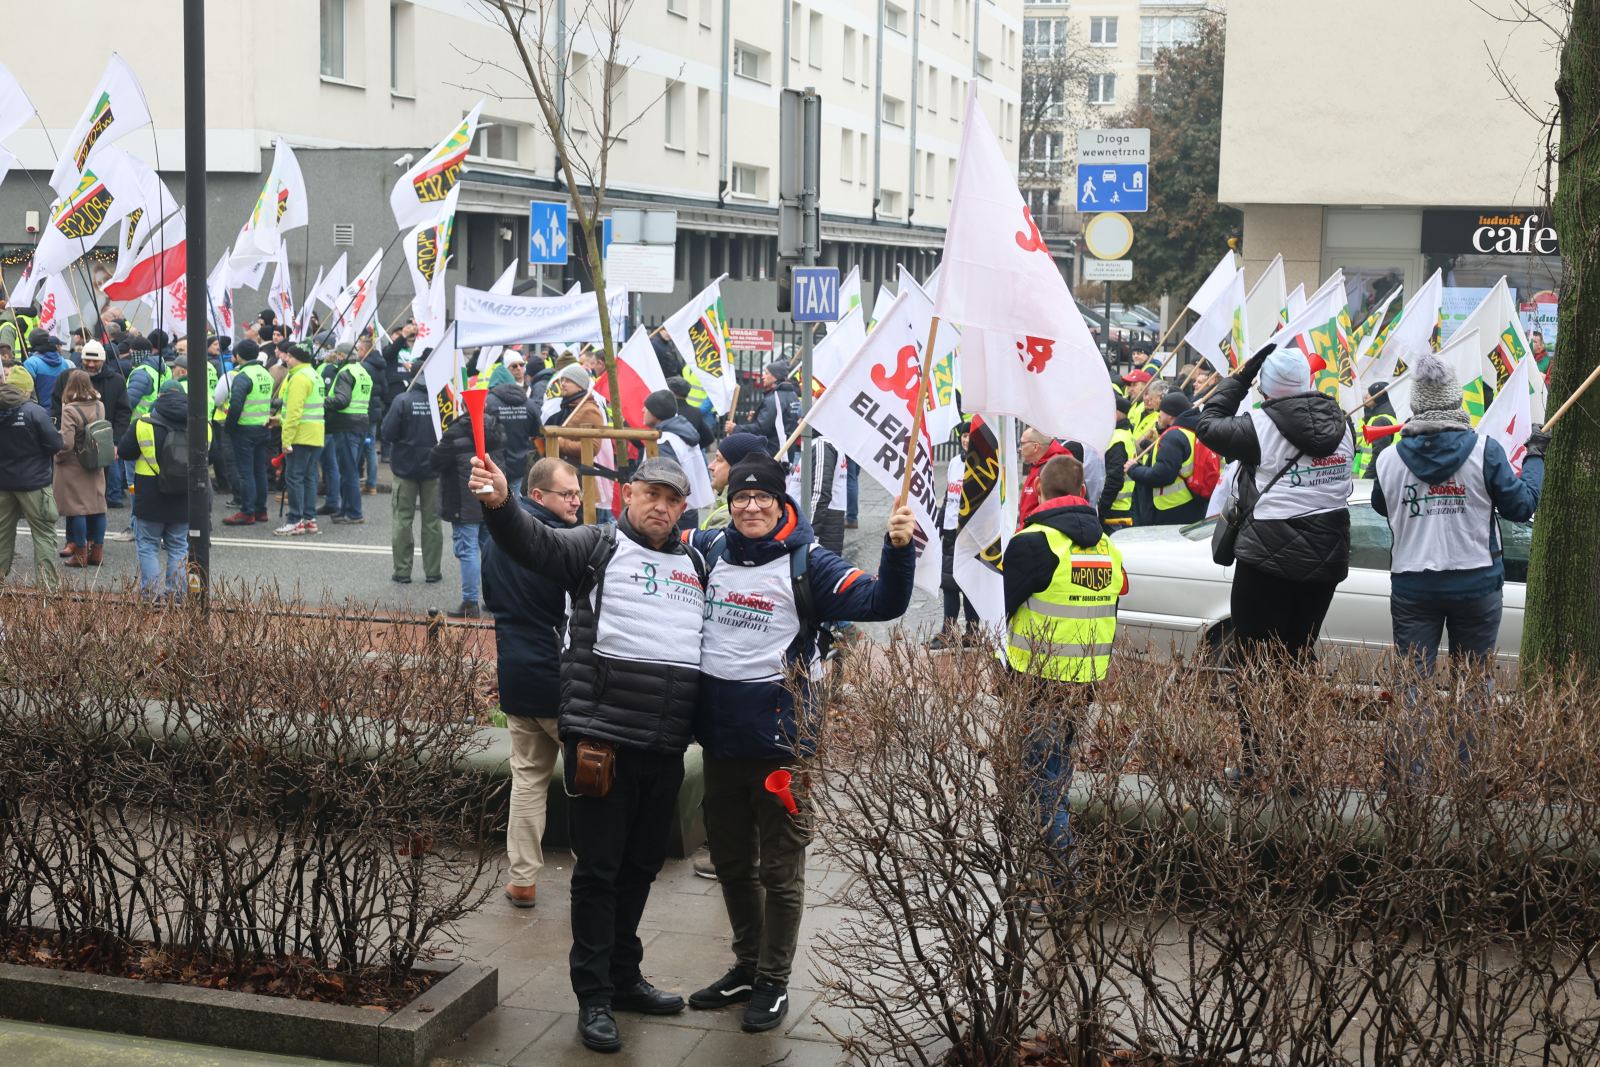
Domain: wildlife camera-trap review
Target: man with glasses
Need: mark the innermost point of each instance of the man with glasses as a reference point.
(770, 589)
(530, 617)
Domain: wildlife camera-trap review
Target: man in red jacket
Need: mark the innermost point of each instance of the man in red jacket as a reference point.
(1036, 449)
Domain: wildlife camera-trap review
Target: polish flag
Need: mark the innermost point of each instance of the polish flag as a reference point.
(638, 375)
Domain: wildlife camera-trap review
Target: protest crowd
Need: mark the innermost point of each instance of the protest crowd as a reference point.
(1047, 452)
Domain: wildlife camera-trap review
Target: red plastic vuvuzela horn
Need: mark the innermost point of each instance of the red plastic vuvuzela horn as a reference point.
(1374, 433)
(778, 785)
(475, 399)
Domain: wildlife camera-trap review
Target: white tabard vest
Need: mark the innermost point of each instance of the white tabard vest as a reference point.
(840, 475)
(1444, 527)
(651, 607)
(955, 477)
(751, 621)
(1315, 484)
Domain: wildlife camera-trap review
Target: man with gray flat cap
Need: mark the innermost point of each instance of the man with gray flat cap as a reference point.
(630, 682)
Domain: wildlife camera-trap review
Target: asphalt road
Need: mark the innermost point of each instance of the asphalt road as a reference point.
(352, 564)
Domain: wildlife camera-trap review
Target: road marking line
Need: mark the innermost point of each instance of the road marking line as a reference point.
(299, 545)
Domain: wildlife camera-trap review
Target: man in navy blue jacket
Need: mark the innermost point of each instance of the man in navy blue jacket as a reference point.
(769, 590)
(530, 617)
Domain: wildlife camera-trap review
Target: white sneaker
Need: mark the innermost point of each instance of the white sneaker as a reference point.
(125, 535)
(288, 529)
(309, 526)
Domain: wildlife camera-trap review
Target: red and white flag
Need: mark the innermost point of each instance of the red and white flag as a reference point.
(1025, 350)
(219, 298)
(302, 325)
(423, 190)
(116, 108)
(638, 375)
(1509, 419)
(280, 298)
(153, 248)
(56, 307)
(357, 306)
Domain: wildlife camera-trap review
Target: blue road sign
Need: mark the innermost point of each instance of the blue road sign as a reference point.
(1121, 187)
(814, 296)
(547, 232)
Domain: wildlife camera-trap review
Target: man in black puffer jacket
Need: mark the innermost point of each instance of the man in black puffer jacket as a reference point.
(1296, 454)
(530, 617)
(408, 428)
(630, 683)
(518, 416)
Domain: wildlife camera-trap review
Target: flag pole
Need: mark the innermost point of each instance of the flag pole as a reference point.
(1562, 410)
(917, 418)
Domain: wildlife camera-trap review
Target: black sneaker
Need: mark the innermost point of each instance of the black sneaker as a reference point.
(769, 1003)
(732, 988)
(468, 610)
(327, 509)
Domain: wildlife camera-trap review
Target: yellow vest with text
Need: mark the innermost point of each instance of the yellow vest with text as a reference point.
(302, 408)
(1177, 494)
(1064, 633)
(257, 402)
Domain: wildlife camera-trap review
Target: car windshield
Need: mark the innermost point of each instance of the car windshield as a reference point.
(1199, 531)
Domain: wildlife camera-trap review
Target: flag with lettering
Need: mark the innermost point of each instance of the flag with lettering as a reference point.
(1025, 349)
(219, 297)
(422, 191)
(429, 315)
(116, 108)
(943, 413)
(280, 207)
(868, 411)
(105, 191)
(56, 307)
(153, 247)
(700, 331)
(427, 245)
(1509, 420)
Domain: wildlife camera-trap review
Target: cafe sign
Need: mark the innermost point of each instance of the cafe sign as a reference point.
(1489, 231)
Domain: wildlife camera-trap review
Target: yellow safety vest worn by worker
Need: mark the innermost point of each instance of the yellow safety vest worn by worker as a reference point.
(302, 408)
(360, 387)
(158, 374)
(697, 392)
(1364, 451)
(144, 433)
(1144, 421)
(1122, 506)
(1065, 632)
(1178, 493)
(211, 391)
(257, 402)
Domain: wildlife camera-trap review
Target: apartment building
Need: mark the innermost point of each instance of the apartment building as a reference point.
(357, 86)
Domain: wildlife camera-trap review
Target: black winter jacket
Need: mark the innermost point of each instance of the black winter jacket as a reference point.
(530, 615)
(648, 706)
(409, 430)
(765, 424)
(1029, 566)
(1172, 452)
(113, 389)
(29, 442)
(394, 379)
(1309, 548)
(697, 418)
(383, 390)
(452, 462)
(170, 411)
(519, 421)
(341, 417)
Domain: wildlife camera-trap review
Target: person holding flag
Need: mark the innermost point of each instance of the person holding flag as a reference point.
(770, 589)
(1179, 483)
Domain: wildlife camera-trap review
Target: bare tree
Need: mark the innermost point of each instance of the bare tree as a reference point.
(1056, 68)
(557, 62)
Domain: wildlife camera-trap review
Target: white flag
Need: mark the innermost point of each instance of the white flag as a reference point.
(280, 298)
(302, 325)
(116, 108)
(280, 207)
(943, 413)
(437, 372)
(1419, 321)
(429, 315)
(980, 535)
(868, 411)
(1025, 349)
(1220, 278)
(358, 304)
(1263, 306)
(1295, 304)
(219, 295)
(333, 283)
(485, 318)
(15, 107)
(843, 340)
(502, 287)
(422, 190)
(1219, 335)
(1509, 419)
(56, 307)
(849, 293)
(106, 191)
(701, 334)
(427, 245)
(152, 249)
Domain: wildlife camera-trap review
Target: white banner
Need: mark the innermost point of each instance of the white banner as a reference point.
(486, 318)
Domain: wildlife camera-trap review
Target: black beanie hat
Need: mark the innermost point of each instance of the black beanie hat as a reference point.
(662, 404)
(757, 471)
(246, 351)
(1175, 403)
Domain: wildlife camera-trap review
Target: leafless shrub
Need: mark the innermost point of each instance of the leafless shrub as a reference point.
(1370, 897)
(244, 786)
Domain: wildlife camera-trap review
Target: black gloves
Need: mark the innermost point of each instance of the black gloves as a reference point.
(1538, 441)
(1253, 365)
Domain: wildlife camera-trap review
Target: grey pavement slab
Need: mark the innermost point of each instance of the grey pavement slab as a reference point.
(37, 1045)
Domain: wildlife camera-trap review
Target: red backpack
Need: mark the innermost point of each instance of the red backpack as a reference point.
(1207, 471)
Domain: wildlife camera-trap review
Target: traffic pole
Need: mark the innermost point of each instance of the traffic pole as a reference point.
(194, 196)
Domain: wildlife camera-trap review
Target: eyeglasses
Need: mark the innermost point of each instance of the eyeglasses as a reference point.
(572, 495)
(752, 501)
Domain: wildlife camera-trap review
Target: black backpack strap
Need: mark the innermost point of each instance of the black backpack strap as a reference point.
(805, 604)
(599, 556)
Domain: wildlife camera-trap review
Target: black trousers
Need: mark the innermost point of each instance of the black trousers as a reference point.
(1271, 615)
(620, 841)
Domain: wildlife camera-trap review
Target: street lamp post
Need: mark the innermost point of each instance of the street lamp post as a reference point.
(194, 195)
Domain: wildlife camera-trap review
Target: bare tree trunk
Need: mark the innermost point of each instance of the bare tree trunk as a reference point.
(1563, 612)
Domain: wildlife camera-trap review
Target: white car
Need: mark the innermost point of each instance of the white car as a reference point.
(1179, 598)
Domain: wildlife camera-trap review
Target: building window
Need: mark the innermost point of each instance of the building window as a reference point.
(617, 96)
(1147, 88)
(1044, 37)
(956, 103)
(933, 92)
(333, 38)
(1160, 32)
(931, 11)
(678, 7)
(749, 181)
(817, 46)
(1045, 207)
(705, 14)
(984, 67)
(861, 175)
(849, 54)
(674, 111)
(894, 18)
(702, 109)
(402, 49)
(1042, 153)
(847, 156)
(495, 139)
(1044, 97)
(1103, 31)
(1102, 88)
(950, 178)
(750, 62)
(889, 203)
(794, 26)
(894, 111)
(928, 162)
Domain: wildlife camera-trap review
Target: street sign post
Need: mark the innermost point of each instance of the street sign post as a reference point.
(816, 294)
(1108, 270)
(640, 268)
(1113, 187)
(1113, 146)
(547, 232)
